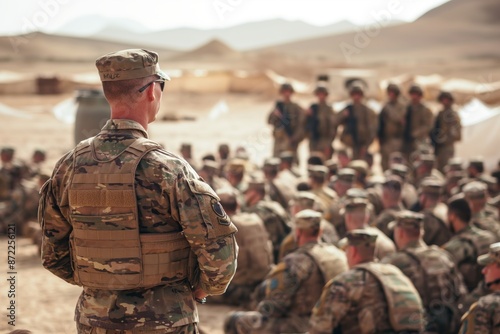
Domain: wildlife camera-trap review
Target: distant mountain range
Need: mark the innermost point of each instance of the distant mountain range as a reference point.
(241, 37)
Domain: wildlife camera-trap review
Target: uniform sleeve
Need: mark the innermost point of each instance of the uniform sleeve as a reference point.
(331, 308)
(209, 231)
(483, 317)
(282, 284)
(299, 133)
(459, 251)
(56, 229)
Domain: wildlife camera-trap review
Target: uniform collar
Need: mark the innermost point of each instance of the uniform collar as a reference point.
(124, 124)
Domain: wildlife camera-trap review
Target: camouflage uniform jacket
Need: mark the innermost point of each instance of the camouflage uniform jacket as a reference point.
(326, 125)
(354, 302)
(486, 221)
(447, 128)
(292, 287)
(165, 204)
(385, 217)
(465, 246)
(391, 120)
(435, 277)
(295, 122)
(366, 126)
(421, 121)
(487, 314)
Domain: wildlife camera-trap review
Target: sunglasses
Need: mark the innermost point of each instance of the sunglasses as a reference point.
(162, 85)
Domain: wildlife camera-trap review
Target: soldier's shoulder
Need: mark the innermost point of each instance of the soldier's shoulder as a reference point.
(455, 244)
(490, 302)
(396, 259)
(246, 218)
(160, 161)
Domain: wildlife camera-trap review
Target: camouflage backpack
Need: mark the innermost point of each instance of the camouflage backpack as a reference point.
(403, 301)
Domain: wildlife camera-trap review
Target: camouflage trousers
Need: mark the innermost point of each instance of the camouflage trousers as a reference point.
(387, 147)
(443, 154)
(255, 323)
(236, 295)
(323, 145)
(187, 329)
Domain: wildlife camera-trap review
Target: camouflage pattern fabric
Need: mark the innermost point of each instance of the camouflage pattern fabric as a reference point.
(465, 246)
(436, 230)
(421, 120)
(436, 279)
(352, 303)
(326, 129)
(282, 141)
(486, 221)
(447, 131)
(188, 329)
(166, 203)
(485, 316)
(391, 120)
(366, 129)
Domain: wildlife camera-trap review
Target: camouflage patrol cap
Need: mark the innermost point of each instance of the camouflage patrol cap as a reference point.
(445, 95)
(399, 170)
(359, 166)
(475, 189)
(223, 148)
(393, 182)
(210, 165)
(415, 89)
(393, 88)
(308, 219)
(455, 176)
(257, 182)
(431, 185)
(287, 87)
(332, 164)
(321, 89)
(356, 193)
(317, 171)
(346, 175)
(236, 166)
(272, 162)
(359, 238)
(287, 156)
(129, 64)
(186, 147)
(356, 89)
(492, 256)
(305, 199)
(408, 220)
(488, 179)
(355, 204)
(426, 160)
(40, 152)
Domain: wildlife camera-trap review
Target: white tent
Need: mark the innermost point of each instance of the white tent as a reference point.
(480, 133)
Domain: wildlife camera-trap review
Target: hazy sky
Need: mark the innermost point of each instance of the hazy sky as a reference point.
(20, 16)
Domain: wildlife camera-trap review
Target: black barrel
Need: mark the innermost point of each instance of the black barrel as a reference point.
(92, 113)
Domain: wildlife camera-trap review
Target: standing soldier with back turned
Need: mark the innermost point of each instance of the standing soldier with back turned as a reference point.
(287, 119)
(131, 223)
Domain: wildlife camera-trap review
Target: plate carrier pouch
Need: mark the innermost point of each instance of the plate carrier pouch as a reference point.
(403, 301)
(329, 260)
(107, 249)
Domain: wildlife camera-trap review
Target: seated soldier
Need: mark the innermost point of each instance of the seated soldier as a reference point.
(255, 257)
(369, 298)
(294, 285)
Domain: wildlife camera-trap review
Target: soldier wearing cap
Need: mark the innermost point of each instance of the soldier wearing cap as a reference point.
(391, 199)
(305, 200)
(357, 217)
(476, 195)
(321, 124)
(125, 202)
(236, 174)
(391, 125)
(363, 299)
(287, 119)
(409, 195)
(432, 271)
(280, 189)
(273, 215)
(424, 167)
(446, 132)
(287, 166)
(484, 316)
(436, 226)
(343, 157)
(468, 242)
(294, 285)
(255, 256)
(317, 182)
(418, 122)
(210, 173)
(360, 124)
(186, 151)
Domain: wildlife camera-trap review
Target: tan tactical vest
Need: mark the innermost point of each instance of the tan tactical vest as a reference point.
(107, 250)
(330, 262)
(255, 257)
(404, 304)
